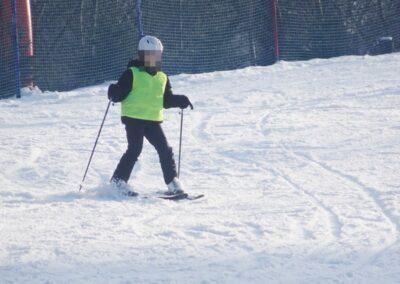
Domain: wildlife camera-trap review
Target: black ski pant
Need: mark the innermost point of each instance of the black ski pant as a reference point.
(136, 130)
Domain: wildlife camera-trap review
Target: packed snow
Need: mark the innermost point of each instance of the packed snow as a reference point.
(299, 163)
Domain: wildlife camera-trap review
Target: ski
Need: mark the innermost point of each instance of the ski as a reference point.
(178, 196)
(131, 193)
(162, 195)
(182, 196)
(175, 197)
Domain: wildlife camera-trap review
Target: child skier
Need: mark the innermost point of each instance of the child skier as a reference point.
(144, 90)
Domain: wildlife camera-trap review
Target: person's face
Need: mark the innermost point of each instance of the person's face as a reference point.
(152, 58)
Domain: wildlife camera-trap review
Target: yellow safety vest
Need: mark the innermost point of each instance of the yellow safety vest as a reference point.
(146, 99)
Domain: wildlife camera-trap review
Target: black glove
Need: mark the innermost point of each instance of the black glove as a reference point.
(112, 93)
(115, 95)
(184, 102)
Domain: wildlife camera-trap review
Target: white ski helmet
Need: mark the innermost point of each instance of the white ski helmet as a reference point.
(150, 43)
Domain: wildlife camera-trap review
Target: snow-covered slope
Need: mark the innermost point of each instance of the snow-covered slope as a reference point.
(299, 163)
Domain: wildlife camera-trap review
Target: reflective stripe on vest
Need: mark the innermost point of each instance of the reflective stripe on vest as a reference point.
(146, 99)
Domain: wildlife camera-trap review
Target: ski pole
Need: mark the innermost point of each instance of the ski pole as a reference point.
(95, 144)
(180, 140)
(180, 145)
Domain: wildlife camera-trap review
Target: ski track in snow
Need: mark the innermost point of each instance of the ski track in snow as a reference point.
(298, 161)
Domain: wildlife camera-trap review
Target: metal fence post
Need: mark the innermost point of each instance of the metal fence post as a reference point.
(16, 49)
(275, 29)
(139, 23)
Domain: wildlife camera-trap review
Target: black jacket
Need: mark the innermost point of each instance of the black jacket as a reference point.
(119, 91)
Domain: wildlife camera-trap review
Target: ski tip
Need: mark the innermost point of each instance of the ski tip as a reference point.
(194, 197)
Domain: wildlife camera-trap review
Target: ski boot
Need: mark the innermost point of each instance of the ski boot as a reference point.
(122, 187)
(175, 188)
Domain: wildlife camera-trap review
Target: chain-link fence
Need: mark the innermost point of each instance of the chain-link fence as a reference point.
(209, 35)
(8, 80)
(78, 43)
(82, 42)
(323, 29)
